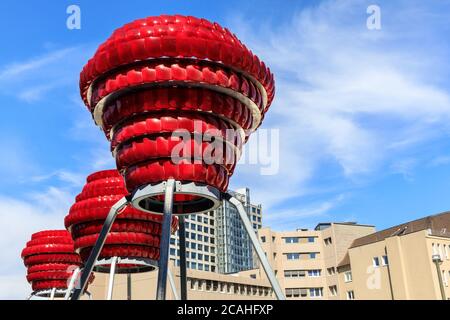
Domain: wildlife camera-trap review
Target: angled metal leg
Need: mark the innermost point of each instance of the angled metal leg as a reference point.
(52, 294)
(129, 286)
(165, 240)
(172, 284)
(89, 267)
(112, 273)
(259, 250)
(73, 279)
(182, 239)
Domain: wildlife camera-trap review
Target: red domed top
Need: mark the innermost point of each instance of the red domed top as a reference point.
(175, 36)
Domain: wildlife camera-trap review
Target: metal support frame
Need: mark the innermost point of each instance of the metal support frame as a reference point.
(89, 267)
(257, 245)
(71, 285)
(129, 286)
(171, 187)
(165, 240)
(182, 239)
(112, 273)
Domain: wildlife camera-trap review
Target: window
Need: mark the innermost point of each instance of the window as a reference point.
(311, 239)
(312, 255)
(263, 239)
(193, 225)
(294, 273)
(328, 241)
(205, 229)
(200, 237)
(315, 292)
(293, 256)
(376, 262)
(200, 266)
(192, 284)
(333, 291)
(331, 271)
(447, 249)
(294, 292)
(200, 256)
(193, 245)
(206, 267)
(291, 240)
(172, 251)
(384, 260)
(193, 255)
(314, 273)
(199, 228)
(348, 276)
(350, 295)
(200, 247)
(172, 240)
(193, 236)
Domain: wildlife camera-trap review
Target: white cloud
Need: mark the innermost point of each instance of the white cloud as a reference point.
(19, 218)
(349, 98)
(31, 80)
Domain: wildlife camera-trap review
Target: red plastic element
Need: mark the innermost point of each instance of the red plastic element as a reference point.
(50, 259)
(133, 234)
(159, 75)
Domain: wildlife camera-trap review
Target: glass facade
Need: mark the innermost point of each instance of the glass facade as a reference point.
(216, 241)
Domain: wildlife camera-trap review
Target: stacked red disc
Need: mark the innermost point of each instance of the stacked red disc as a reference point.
(134, 234)
(50, 259)
(169, 74)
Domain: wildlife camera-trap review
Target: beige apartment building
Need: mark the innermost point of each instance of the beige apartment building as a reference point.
(408, 261)
(335, 261)
(305, 261)
(201, 285)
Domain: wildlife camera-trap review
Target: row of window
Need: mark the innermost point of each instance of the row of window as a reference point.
(194, 255)
(195, 246)
(199, 228)
(230, 288)
(298, 255)
(442, 250)
(298, 239)
(304, 292)
(197, 266)
(302, 273)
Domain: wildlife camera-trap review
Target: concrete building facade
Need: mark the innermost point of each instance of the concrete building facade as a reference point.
(408, 261)
(305, 261)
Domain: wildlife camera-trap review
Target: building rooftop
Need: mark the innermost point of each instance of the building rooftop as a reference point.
(438, 224)
(324, 225)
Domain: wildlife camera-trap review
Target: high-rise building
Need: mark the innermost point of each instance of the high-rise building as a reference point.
(234, 248)
(216, 241)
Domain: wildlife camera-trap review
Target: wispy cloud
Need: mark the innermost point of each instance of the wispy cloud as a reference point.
(348, 99)
(31, 80)
(19, 218)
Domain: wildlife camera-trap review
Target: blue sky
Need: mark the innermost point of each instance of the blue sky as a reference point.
(363, 115)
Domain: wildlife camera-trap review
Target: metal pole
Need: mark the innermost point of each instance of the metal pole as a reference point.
(441, 285)
(165, 240)
(182, 239)
(259, 250)
(129, 286)
(74, 278)
(52, 294)
(112, 273)
(172, 285)
(87, 270)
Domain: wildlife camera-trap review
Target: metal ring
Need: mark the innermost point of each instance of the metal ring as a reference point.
(140, 265)
(146, 199)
